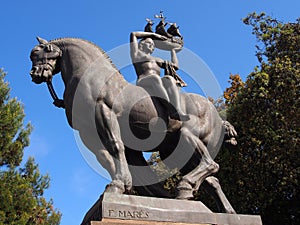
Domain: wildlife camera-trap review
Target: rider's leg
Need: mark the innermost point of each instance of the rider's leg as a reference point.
(154, 86)
(174, 96)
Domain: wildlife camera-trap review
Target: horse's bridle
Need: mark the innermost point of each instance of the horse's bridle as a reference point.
(56, 101)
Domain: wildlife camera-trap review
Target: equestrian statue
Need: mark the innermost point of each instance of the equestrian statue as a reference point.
(118, 121)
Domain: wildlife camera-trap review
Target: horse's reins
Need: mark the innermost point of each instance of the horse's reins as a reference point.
(56, 101)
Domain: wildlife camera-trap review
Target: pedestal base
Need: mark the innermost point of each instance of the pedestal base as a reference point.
(135, 222)
(114, 209)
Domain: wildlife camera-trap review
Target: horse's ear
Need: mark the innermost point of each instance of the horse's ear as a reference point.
(41, 40)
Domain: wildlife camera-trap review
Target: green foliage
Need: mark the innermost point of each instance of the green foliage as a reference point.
(171, 176)
(21, 188)
(21, 197)
(13, 136)
(261, 175)
(275, 39)
(220, 106)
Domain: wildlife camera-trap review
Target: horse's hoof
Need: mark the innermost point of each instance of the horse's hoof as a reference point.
(230, 211)
(115, 187)
(184, 191)
(184, 194)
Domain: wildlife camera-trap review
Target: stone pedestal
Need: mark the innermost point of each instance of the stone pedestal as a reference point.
(114, 209)
(106, 221)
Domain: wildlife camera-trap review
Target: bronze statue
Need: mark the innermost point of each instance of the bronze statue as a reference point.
(106, 110)
(148, 68)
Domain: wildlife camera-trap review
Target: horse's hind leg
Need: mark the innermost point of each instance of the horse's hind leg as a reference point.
(109, 132)
(213, 187)
(192, 180)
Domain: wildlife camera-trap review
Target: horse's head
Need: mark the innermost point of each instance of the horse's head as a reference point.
(44, 61)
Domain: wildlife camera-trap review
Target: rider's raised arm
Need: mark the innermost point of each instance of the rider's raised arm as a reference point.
(174, 59)
(143, 34)
(134, 36)
(134, 48)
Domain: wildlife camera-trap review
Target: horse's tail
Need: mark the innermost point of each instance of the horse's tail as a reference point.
(230, 133)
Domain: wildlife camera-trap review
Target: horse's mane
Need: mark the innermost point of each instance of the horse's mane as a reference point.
(100, 49)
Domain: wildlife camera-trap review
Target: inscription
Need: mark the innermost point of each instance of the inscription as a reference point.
(128, 214)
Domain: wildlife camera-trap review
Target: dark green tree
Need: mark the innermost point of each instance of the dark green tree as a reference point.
(261, 175)
(171, 176)
(21, 187)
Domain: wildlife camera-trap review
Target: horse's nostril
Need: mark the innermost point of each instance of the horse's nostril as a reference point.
(33, 70)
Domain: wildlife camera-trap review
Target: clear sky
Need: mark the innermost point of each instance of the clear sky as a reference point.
(212, 29)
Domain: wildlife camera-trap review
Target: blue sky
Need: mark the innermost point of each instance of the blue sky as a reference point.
(212, 29)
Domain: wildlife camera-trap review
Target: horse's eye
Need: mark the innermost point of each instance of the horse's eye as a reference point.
(49, 48)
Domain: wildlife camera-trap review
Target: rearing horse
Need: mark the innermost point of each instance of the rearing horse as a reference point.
(117, 121)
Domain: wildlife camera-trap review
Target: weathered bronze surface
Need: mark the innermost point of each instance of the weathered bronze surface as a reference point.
(100, 104)
(114, 117)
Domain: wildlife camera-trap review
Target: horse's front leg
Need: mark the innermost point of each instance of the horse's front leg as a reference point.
(109, 132)
(192, 181)
(90, 138)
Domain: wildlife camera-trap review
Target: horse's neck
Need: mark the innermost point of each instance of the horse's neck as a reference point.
(79, 55)
(84, 62)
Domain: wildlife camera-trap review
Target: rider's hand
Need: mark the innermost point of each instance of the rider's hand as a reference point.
(160, 37)
(177, 49)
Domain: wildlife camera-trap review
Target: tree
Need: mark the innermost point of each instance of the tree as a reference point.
(21, 188)
(171, 177)
(220, 106)
(261, 175)
(231, 92)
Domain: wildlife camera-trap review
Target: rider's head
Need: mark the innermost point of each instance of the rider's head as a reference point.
(147, 45)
